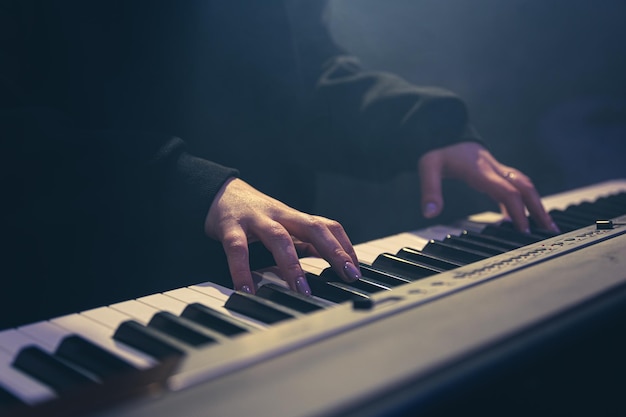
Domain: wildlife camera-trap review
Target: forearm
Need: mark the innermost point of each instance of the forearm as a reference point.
(55, 162)
(373, 118)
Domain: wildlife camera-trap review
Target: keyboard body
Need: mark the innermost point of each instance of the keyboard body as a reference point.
(509, 332)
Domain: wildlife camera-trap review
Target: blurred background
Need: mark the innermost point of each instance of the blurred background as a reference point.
(543, 79)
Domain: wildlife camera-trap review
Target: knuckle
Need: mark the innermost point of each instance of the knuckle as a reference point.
(316, 223)
(335, 226)
(277, 233)
(339, 253)
(235, 245)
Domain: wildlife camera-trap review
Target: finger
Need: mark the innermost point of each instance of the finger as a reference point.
(532, 201)
(351, 270)
(430, 169)
(235, 246)
(279, 242)
(502, 190)
(331, 242)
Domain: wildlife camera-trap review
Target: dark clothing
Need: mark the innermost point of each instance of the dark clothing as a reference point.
(104, 200)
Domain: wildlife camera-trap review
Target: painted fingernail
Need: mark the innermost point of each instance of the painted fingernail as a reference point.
(430, 210)
(351, 272)
(246, 289)
(302, 286)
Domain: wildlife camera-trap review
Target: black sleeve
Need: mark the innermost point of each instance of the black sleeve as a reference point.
(51, 127)
(370, 123)
(80, 175)
(92, 213)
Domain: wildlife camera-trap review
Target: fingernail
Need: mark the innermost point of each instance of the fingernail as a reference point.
(527, 231)
(246, 289)
(430, 210)
(351, 272)
(302, 286)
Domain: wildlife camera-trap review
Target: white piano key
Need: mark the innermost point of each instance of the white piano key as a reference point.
(47, 334)
(106, 316)
(11, 341)
(436, 232)
(213, 290)
(103, 337)
(189, 296)
(27, 389)
(366, 254)
(314, 265)
(378, 245)
(483, 218)
(269, 276)
(163, 303)
(136, 310)
(396, 242)
(590, 193)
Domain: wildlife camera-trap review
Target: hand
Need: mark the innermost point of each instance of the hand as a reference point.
(472, 163)
(240, 214)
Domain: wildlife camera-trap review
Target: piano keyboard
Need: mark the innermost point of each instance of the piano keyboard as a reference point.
(207, 332)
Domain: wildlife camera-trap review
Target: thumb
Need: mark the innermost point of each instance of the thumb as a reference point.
(430, 169)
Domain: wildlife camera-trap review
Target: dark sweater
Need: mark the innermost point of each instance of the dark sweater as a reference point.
(102, 198)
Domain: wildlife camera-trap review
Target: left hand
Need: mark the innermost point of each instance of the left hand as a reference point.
(472, 163)
(241, 214)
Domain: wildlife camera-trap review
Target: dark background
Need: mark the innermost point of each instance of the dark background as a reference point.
(543, 79)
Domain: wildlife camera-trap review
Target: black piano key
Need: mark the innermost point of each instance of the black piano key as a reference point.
(404, 267)
(564, 225)
(449, 251)
(616, 203)
(508, 225)
(364, 284)
(509, 234)
(148, 340)
(536, 231)
(425, 259)
(503, 244)
(258, 308)
(91, 357)
(475, 246)
(620, 196)
(333, 291)
(288, 298)
(385, 278)
(571, 220)
(589, 211)
(177, 328)
(610, 204)
(594, 212)
(608, 211)
(50, 370)
(539, 231)
(8, 401)
(214, 320)
(356, 289)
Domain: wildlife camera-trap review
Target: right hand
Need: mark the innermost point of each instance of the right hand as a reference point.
(472, 163)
